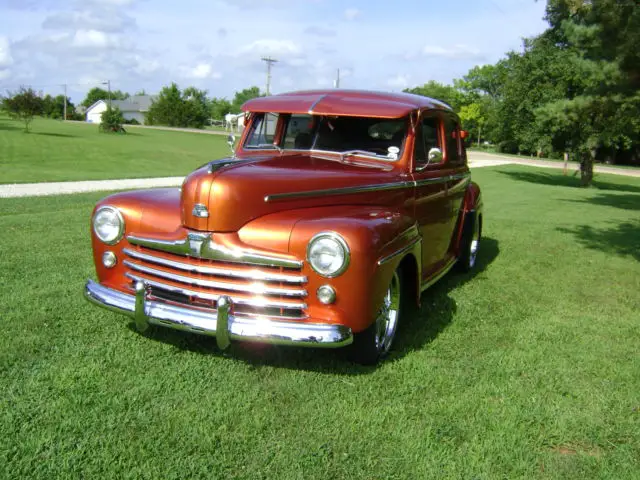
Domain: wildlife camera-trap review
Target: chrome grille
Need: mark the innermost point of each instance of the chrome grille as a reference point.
(255, 290)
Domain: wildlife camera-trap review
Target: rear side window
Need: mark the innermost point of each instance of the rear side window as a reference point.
(452, 134)
(263, 131)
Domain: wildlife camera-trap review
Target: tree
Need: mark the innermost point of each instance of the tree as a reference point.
(24, 106)
(111, 120)
(219, 107)
(473, 118)
(243, 96)
(97, 93)
(53, 107)
(175, 108)
(447, 93)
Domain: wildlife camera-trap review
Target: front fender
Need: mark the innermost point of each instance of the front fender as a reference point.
(378, 239)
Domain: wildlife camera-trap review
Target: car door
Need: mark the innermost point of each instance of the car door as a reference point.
(457, 171)
(432, 206)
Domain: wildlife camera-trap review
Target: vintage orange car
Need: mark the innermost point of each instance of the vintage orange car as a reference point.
(334, 212)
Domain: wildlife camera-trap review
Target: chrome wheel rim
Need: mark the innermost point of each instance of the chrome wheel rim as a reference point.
(475, 244)
(387, 321)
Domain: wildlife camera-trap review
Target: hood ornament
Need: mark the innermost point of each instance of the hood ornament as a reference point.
(200, 211)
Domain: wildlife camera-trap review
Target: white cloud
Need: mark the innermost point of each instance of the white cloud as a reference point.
(271, 47)
(6, 60)
(94, 38)
(400, 81)
(200, 71)
(463, 52)
(352, 13)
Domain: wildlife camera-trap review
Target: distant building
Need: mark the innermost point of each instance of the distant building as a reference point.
(133, 108)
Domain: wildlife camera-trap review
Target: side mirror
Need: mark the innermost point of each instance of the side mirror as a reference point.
(231, 140)
(434, 156)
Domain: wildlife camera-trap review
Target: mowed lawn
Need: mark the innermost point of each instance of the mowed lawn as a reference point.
(57, 151)
(528, 369)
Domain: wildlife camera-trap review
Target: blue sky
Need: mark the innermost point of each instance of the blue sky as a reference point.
(217, 44)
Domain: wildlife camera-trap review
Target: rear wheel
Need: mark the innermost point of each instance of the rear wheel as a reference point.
(374, 343)
(470, 244)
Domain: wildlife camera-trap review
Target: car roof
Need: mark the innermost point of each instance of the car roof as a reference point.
(357, 103)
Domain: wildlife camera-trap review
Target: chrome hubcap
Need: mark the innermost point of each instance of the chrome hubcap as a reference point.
(387, 320)
(475, 243)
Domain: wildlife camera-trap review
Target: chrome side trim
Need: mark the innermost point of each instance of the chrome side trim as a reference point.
(274, 197)
(253, 302)
(207, 323)
(201, 245)
(253, 289)
(339, 191)
(246, 275)
(397, 253)
(439, 275)
(316, 103)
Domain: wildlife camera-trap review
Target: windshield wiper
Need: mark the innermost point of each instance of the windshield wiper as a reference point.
(363, 153)
(270, 146)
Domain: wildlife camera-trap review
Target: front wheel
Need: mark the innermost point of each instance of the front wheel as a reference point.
(374, 343)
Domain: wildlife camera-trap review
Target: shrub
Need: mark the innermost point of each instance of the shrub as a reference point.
(112, 120)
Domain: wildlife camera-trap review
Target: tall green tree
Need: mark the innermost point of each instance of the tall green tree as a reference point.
(97, 93)
(23, 105)
(447, 93)
(220, 107)
(176, 108)
(243, 96)
(53, 107)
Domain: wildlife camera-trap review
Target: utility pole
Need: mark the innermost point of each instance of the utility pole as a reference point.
(65, 103)
(108, 84)
(270, 61)
(337, 82)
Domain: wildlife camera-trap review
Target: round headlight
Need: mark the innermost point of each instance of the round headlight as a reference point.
(328, 254)
(108, 225)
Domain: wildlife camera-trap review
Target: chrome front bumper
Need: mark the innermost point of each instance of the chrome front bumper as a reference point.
(221, 324)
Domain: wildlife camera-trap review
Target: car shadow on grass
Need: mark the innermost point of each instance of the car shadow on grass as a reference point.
(560, 180)
(420, 329)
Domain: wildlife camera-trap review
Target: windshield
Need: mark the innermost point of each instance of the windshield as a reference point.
(375, 137)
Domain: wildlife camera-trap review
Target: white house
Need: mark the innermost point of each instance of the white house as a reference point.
(133, 108)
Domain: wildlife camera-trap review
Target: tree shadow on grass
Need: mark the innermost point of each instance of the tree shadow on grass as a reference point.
(618, 200)
(49, 134)
(437, 312)
(560, 180)
(9, 126)
(622, 239)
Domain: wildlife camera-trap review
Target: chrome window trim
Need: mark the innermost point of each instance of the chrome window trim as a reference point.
(314, 104)
(247, 275)
(120, 218)
(259, 289)
(201, 245)
(338, 238)
(253, 302)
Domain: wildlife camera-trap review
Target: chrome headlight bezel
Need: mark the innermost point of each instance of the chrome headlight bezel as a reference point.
(340, 243)
(118, 215)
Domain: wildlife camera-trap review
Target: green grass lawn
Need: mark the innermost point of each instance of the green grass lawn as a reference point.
(528, 369)
(57, 151)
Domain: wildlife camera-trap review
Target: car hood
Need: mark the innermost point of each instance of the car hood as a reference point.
(235, 191)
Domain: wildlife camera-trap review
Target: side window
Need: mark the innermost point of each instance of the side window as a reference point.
(452, 134)
(427, 137)
(299, 133)
(263, 131)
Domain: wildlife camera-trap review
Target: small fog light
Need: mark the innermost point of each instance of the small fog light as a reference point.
(326, 294)
(109, 259)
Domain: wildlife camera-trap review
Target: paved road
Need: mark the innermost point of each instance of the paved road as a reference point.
(479, 158)
(476, 160)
